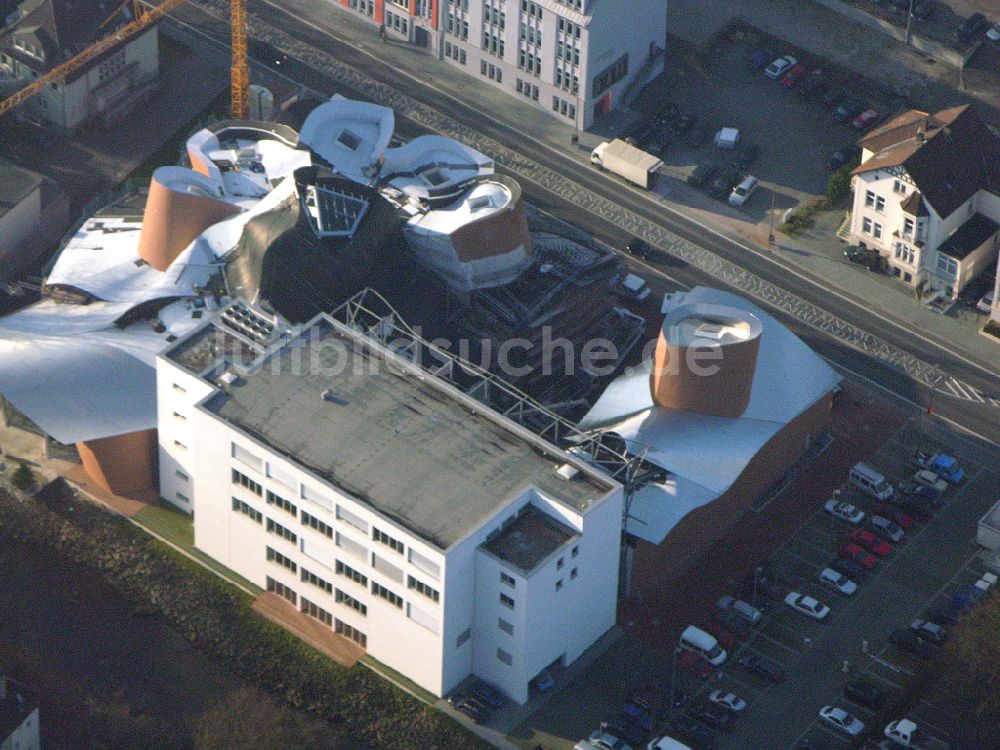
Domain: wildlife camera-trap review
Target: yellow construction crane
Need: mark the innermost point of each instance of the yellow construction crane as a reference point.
(142, 18)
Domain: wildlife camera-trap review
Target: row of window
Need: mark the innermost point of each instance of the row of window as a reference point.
(350, 601)
(529, 61)
(457, 26)
(242, 479)
(454, 52)
(382, 538)
(530, 90)
(278, 530)
(397, 22)
(309, 577)
(567, 80)
(564, 107)
(314, 523)
(363, 6)
(873, 200)
(282, 503)
(282, 590)
(241, 507)
(276, 557)
(871, 227)
(494, 16)
(493, 44)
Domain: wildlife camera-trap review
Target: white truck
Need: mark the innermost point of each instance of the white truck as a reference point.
(627, 161)
(905, 733)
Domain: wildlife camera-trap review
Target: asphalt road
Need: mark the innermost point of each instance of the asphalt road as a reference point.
(977, 416)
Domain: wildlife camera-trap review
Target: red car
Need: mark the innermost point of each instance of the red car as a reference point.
(691, 663)
(871, 542)
(726, 639)
(867, 119)
(859, 555)
(901, 519)
(793, 76)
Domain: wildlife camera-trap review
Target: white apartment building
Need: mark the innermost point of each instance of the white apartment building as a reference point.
(927, 197)
(573, 58)
(384, 502)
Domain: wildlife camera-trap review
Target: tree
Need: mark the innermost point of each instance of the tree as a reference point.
(247, 718)
(974, 654)
(838, 187)
(23, 478)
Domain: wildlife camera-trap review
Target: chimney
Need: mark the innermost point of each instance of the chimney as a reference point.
(921, 129)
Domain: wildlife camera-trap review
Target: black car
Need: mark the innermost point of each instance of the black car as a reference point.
(761, 665)
(812, 85)
(713, 716)
(668, 113)
(703, 174)
(971, 27)
(472, 709)
(682, 124)
(745, 155)
(848, 567)
(843, 156)
(626, 731)
(696, 136)
(924, 9)
(638, 247)
(907, 640)
(866, 692)
(833, 96)
(487, 694)
(723, 183)
(849, 108)
(863, 256)
(695, 734)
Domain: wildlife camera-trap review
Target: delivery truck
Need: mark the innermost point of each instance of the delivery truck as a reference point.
(627, 161)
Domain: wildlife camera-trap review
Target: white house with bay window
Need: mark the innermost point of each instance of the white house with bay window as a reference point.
(927, 197)
(436, 534)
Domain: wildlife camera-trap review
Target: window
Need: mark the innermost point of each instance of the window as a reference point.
(244, 456)
(574, 573)
(880, 204)
(463, 637)
(343, 514)
(505, 657)
(576, 550)
(180, 445)
(506, 601)
(278, 530)
(866, 225)
(181, 475)
(422, 588)
(276, 557)
(281, 502)
(898, 186)
(315, 580)
(382, 538)
(179, 388)
(241, 507)
(349, 601)
(393, 599)
(560, 562)
(348, 572)
(559, 584)
(342, 628)
(505, 626)
(318, 613)
(315, 523)
(946, 265)
(281, 590)
(869, 198)
(387, 569)
(424, 564)
(244, 480)
(507, 580)
(608, 77)
(182, 497)
(180, 417)
(351, 547)
(876, 230)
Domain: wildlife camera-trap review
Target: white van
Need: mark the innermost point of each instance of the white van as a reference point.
(869, 481)
(703, 644)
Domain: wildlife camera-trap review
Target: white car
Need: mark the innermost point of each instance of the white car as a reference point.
(985, 303)
(742, 191)
(837, 581)
(844, 511)
(929, 479)
(994, 33)
(729, 701)
(601, 740)
(779, 66)
(806, 605)
(840, 719)
(666, 743)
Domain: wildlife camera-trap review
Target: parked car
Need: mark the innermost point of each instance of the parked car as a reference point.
(742, 192)
(723, 183)
(638, 717)
(837, 581)
(682, 124)
(865, 692)
(844, 156)
(747, 612)
(793, 75)
(867, 119)
(807, 605)
(638, 247)
(864, 256)
(745, 155)
(928, 478)
(909, 641)
(472, 710)
(871, 542)
(726, 639)
(887, 529)
(985, 303)
(693, 732)
(714, 716)
(848, 567)
(693, 664)
(668, 113)
(903, 520)
(728, 701)
(487, 694)
(833, 96)
(844, 511)
(849, 108)
(779, 66)
(945, 466)
(703, 174)
(840, 719)
(760, 57)
(761, 665)
(971, 27)
(862, 557)
(920, 492)
(924, 9)
(994, 33)
(603, 739)
(627, 734)
(967, 597)
(929, 631)
(813, 84)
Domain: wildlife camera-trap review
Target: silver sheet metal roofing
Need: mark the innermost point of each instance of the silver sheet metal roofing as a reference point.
(394, 437)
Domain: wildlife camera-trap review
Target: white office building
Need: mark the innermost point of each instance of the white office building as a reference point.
(386, 503)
